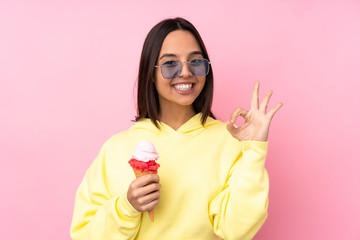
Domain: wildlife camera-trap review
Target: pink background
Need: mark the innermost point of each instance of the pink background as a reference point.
(67, 72)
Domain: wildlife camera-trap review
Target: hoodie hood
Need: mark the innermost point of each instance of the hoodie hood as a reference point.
(192, 127)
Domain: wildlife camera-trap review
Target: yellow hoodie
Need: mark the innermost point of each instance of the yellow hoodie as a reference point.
(213, 186)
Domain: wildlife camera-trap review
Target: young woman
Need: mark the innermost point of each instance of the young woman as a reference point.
(212, 182)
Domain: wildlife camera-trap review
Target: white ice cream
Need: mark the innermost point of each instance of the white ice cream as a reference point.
(145, 151)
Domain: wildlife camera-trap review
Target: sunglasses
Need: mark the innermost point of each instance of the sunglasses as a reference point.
(172, 69)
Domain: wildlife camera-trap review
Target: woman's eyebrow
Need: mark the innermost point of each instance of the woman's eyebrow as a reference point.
(167, 55)
(174, 55)
(196, 53)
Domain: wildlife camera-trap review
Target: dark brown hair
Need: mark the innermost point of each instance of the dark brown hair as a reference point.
(147, 97)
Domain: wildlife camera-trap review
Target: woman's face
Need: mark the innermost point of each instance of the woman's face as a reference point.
(180, 46)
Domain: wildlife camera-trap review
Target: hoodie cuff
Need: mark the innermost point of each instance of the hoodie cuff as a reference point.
(255, 145)
(254, 153)
(124, 208)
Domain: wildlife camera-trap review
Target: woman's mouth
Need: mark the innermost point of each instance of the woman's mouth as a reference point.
(184, 88)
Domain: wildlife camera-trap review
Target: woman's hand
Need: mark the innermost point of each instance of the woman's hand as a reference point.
(257, 121)
(143, 193)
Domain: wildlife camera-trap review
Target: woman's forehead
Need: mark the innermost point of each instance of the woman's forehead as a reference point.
(179, 43)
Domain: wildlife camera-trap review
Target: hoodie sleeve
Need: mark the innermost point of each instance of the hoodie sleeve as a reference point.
(97, 214)
(240, 209)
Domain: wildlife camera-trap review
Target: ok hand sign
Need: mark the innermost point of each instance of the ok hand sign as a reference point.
(257, 121)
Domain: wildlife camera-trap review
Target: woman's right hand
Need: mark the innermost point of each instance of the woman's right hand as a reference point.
(143, 193)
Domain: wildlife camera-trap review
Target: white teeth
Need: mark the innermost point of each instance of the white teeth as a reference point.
(183, 86)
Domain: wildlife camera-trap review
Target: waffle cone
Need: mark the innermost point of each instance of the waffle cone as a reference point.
(138, 174)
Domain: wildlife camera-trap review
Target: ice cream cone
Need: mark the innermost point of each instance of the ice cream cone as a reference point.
(138, 174)
(143, 163)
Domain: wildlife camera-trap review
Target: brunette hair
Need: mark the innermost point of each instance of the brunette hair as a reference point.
(147, 97)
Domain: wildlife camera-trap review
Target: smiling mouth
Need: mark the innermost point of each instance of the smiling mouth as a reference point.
(183, 87)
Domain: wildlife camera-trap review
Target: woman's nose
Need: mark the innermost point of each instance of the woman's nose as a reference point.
(185, 71)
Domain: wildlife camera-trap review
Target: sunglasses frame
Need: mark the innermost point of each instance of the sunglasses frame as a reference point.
(181, 64)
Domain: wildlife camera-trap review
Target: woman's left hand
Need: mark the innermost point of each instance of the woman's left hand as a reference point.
(257, 121)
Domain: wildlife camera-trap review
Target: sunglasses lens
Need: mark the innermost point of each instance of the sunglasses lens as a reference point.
(199, 67)
(171, 70)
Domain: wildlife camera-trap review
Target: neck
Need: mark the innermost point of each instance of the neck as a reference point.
(175, 117)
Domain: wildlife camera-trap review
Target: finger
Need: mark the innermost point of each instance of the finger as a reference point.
(272, 112)
(238, 112)
(149, 198)
(136, 193)
(231, 128)
(145, 180)
(265, 101)
(255, 96)
(150, 188)
(147, 207)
